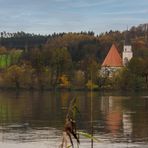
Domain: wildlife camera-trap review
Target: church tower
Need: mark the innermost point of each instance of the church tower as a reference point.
(127, 51)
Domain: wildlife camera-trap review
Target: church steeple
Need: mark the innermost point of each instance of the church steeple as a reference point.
(127, 38)
(127, 49)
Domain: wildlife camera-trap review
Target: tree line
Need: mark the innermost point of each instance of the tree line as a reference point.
(73, 60)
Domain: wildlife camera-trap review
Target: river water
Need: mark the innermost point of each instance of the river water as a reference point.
(36, 119)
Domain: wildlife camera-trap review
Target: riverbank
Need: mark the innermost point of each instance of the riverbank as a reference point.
(12, 89)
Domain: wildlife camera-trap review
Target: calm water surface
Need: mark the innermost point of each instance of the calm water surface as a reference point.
(36, 120)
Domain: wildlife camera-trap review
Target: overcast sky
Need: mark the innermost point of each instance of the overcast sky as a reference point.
(48, 16)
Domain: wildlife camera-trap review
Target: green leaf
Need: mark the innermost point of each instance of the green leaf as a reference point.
(89, 136)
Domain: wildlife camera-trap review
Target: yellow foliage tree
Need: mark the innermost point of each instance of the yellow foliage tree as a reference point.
(91, 85)
(64, 82)
(13, 75)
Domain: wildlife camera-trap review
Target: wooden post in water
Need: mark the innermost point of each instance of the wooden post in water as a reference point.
(91, 109)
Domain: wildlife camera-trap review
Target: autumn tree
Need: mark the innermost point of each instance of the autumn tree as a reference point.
(90, 69)
(13, 76)
(61, 63)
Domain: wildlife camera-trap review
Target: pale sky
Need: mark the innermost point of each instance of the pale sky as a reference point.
(49, 16)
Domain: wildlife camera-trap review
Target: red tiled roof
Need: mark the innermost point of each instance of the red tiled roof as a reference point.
(113, 58)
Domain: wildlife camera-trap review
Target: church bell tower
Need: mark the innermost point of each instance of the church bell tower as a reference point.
(127, 50)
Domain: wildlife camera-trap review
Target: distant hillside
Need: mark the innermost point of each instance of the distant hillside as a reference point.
(78, 43)
(68, 60)
(21, 40)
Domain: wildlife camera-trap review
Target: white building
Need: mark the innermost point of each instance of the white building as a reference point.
(127, 54)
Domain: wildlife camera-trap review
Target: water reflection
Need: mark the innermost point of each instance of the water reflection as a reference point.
(29, 117)
(112, 110)
(127, 124)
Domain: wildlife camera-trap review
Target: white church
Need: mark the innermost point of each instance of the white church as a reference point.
(114, 61)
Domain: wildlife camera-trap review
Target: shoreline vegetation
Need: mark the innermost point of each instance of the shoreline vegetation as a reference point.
(65, 61)
(72, 90)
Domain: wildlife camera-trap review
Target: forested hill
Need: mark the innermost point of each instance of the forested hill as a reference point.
(67, 60)
(24, 40)
(21, 40)
(79, 42)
